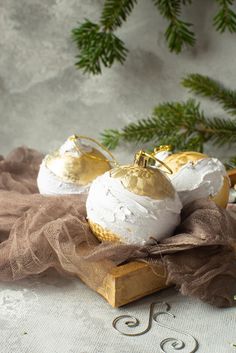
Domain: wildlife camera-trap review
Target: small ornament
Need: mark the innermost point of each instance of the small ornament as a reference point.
(133, 203)
(232, 176)
(196, 176)
(232, 195)
(72, 168)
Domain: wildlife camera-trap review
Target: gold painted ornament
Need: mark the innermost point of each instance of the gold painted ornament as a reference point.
(195, 176)
(71, 168)
(232, 176)
(133, 203)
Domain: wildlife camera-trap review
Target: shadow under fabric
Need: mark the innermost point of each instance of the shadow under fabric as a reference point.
(39, 232)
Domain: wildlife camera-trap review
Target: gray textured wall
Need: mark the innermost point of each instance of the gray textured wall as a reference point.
(43, 98)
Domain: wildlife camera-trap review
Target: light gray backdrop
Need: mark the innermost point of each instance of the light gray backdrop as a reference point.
(43, 99)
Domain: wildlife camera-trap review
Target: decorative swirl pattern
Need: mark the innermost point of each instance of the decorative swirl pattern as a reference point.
(134, 322)
(175, 344)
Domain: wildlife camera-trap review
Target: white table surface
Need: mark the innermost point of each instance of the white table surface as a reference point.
(58, 315)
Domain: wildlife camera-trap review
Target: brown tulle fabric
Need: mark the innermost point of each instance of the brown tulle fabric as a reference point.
(40, 232)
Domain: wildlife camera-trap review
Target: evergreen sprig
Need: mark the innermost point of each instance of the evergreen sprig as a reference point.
(177, 33)
(207, 87)
(220, 131)
(98, 45)
(183, 124)
(115, 12)
(106, 48)
(225, 19)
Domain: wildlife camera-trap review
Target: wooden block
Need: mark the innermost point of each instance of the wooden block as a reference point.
(132, 281)
(125, 283)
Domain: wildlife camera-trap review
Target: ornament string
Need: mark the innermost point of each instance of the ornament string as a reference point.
(74, 138)
(142, 158)
(175, 344)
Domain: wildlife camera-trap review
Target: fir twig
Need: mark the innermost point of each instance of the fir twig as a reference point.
(115, 12)
(225, 19)
(181, 124)
(97, 47)
(178, 32)
(207, 87)
(221, 131)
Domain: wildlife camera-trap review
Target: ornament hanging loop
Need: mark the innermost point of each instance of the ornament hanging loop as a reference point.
(142, 159)
(76, 137)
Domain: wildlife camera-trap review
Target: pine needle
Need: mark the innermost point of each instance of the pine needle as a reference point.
(115, 12)
(225, 19)
(207, 87)
(178, 31)
(97, 47)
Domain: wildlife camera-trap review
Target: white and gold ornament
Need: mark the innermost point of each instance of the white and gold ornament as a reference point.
(232, 195)
(232, 176)
(196, 176)
(133, 203)
(72, 168)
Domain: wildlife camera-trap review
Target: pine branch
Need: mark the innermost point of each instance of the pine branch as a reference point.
(225, 19)
(207, 87)
(177, 33)
(115, 12)
(167, 124)
(221, 131)
(97, 43)
(111, 138)
(181, 124)
(97, 47)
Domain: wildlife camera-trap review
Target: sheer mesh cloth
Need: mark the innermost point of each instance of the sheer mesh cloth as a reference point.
(40, 232)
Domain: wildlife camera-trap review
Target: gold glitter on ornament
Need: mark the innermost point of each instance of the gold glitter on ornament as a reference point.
(177, 160)
(80, 168)
(103, 234)
(142, 179)
(222, 197)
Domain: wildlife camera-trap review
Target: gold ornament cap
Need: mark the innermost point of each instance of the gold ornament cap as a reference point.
(162, 148)
(141, 179)
(80, 163)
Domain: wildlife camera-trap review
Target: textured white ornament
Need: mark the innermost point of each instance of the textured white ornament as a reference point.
(71, 168)
(203, 178)
(51, 184)
(132, 217)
